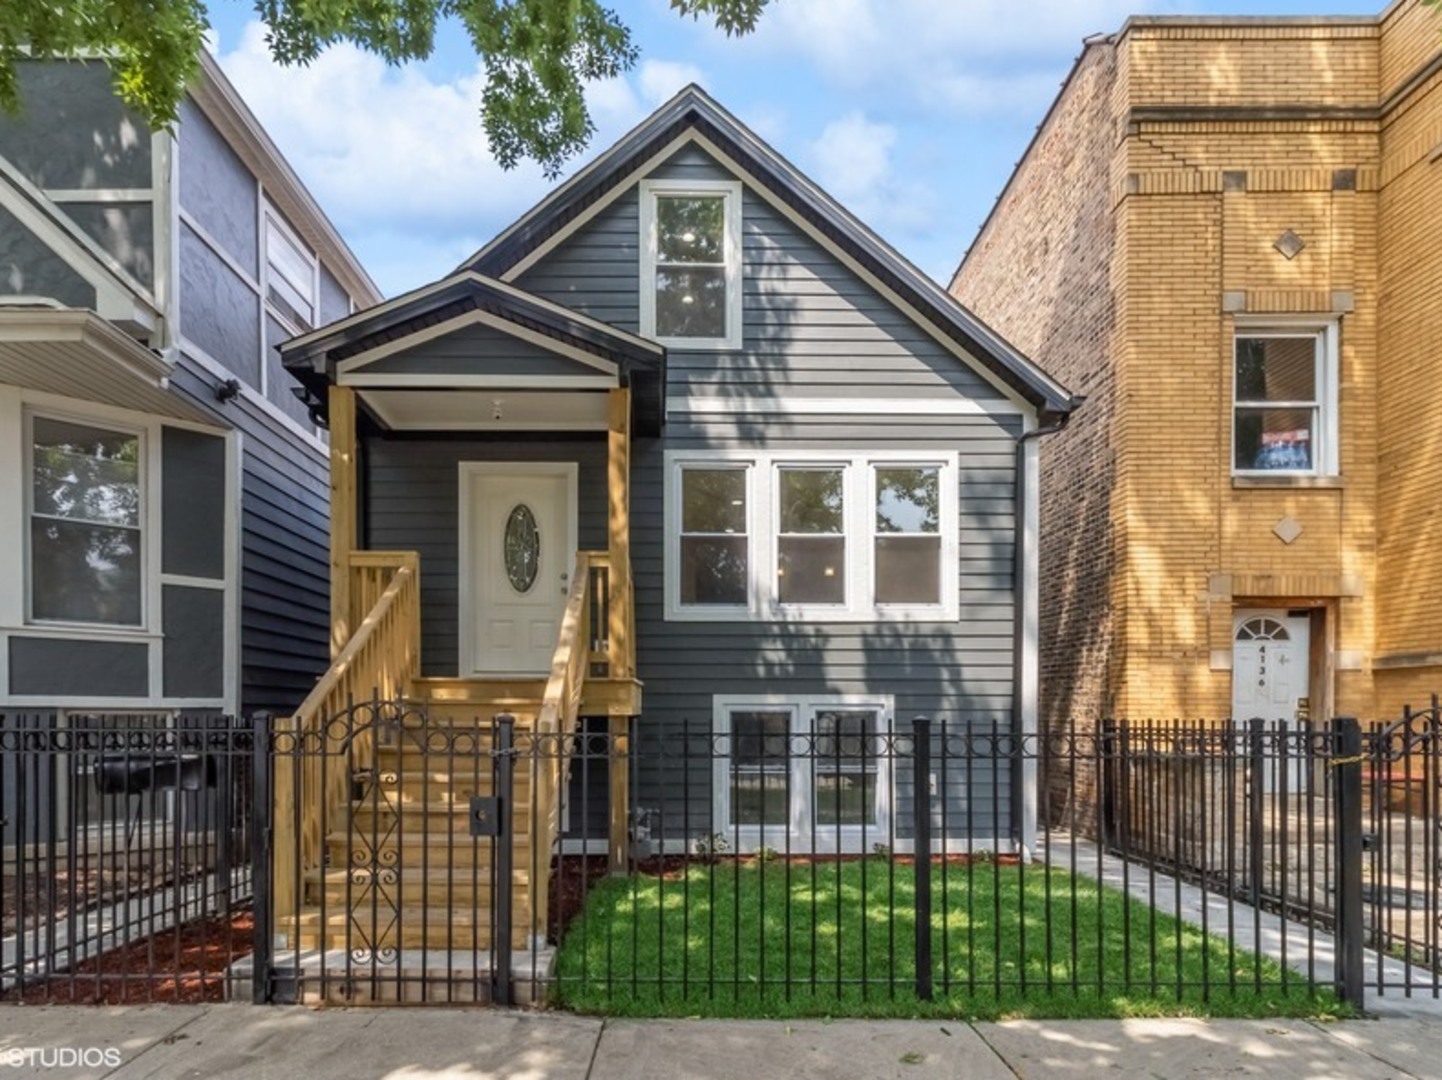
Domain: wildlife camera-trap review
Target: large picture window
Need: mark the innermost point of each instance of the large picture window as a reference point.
(850, 538)
(690, 264)
(85, 523)
(803, 774)
(1284, 402)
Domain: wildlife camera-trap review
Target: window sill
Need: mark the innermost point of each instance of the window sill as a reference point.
(1252, 483)
(84, 631)
(776, 616)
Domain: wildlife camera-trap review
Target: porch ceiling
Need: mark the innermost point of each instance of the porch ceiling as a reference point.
(487, 410)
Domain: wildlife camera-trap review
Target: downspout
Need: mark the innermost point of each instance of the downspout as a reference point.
(1023, 829)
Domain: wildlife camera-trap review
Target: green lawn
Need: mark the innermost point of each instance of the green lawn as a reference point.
(761, 939)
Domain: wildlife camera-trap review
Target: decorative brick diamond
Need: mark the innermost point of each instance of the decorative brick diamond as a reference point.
(1287, 530)
(1290, 244)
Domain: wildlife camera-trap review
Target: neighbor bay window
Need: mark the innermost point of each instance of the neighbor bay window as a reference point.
(1284, 406)
(811, 536)
(85, 523)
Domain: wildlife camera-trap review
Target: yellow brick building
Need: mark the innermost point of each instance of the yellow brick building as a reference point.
(1228, 234)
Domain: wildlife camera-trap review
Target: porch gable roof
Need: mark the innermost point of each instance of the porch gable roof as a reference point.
(369, 340)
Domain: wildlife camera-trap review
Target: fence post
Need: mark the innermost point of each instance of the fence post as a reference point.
(262, 809)
(1347, 761)
(503, 772)
(1256, 802)
(921, 814)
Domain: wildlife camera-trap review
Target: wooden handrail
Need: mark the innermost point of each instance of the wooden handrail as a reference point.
(380, 659)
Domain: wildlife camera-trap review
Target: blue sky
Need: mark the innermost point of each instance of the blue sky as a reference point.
(911, 112)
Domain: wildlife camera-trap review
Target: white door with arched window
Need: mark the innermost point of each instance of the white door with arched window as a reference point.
(1271, 653)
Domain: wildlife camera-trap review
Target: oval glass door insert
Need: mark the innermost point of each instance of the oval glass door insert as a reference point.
(522, 548)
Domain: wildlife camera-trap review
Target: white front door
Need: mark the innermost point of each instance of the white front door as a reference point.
(519, 551)
(1271, 655)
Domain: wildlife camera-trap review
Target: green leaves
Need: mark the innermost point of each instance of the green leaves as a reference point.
(538, 55)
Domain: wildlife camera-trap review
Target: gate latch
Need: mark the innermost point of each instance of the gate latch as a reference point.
(485, 815)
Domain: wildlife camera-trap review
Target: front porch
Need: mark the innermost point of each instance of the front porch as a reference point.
(392, 828)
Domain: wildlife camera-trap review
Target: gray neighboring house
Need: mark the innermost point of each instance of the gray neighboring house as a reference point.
(163, 491)
(828, 502)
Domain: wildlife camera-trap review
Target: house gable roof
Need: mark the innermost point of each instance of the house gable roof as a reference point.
(693, 113)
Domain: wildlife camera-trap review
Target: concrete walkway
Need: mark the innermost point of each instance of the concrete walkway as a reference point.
(257, 1043)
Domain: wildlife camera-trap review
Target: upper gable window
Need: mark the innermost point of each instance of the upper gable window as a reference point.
(1285, 408)
(290, 275)
(691, 263)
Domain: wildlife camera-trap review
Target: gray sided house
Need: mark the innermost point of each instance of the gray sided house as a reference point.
(803, 466)
(163, 491)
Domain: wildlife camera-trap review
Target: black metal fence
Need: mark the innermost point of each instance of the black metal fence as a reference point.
(776, 867)
(124, 856)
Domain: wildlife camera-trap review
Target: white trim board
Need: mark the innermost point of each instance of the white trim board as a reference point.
(850, 406)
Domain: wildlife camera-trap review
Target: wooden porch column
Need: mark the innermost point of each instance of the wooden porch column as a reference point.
(342, 511)
(618, 489)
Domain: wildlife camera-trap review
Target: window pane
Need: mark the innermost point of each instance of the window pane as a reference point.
(1275, 438)
(690, 229)
(86, 473)
(811, 501)
(690, 303)
(84, 573)
(908, 569)
(759, 764)
(713, 570)
(713, 500)
(908, 500)
(811, 570)
(1277, 369)
(288, 261)
(844, 768)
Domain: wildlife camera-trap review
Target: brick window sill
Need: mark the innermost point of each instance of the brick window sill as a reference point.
(1326, 483)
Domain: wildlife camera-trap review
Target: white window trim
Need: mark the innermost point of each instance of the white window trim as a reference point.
(730, 190)
(796, 836)
(16, 452)
(761, 523)
(271, 220)
(149, 527)
(1325, 456)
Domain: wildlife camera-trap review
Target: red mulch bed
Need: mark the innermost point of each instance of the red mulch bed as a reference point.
(184, 966)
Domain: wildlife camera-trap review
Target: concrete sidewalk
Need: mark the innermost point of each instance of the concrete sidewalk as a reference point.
(258, 1043)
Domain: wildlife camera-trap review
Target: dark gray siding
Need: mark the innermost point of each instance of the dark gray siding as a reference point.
(218, 310)
(284, 551)
(29, 268)
(73, 131)
(194, 626)
(280, 385)
(812, 329)
(334, 300)
(217, 190)
(478, 350)
(411, 501)
(193, 504)
(65, 667)
(125, 231)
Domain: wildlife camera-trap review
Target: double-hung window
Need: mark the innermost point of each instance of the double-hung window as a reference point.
(290, 275)
(691, 263)
(802, 774)
(86, 514)
(1284, 416)
(812, 536)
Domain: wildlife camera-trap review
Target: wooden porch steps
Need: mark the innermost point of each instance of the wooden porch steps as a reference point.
(402, 868)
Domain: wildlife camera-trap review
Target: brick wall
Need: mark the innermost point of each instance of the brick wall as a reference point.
(1137, 235)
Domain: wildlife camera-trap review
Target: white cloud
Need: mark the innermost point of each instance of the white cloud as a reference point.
(852, 160)
(980, 55)
(397, 157)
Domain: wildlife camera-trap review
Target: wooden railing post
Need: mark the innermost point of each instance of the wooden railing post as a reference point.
(618, 486)
(618, 846)
(342, 513)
